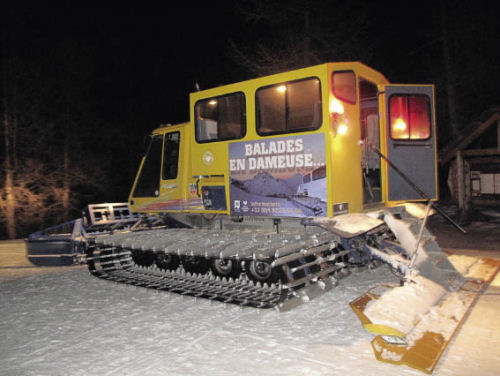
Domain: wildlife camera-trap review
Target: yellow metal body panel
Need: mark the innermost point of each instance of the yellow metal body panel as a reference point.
(345, 158)
(172, 195)
(208, 163)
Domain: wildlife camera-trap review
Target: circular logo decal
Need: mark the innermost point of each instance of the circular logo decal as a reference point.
(208, 158)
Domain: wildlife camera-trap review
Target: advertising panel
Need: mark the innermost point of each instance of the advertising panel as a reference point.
(279, 177)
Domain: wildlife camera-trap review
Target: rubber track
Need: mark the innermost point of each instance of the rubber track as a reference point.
(110, 258)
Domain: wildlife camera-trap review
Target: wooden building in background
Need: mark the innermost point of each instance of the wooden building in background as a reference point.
(474, 162)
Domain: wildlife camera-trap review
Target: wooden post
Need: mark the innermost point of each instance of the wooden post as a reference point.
(462, 207)
(467, 185)
(460, 180)
(498, 135)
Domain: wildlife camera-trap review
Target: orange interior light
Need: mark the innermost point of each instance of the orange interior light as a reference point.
(399, 125)
(410, 117)
(281, 88)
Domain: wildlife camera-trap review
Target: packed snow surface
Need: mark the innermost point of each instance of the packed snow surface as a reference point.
(71, 323)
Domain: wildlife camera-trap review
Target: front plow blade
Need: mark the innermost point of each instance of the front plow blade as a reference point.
(417, 334)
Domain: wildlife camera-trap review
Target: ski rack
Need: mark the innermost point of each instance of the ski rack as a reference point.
(65, 244)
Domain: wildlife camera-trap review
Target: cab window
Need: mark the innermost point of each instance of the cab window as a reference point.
(410, 117)
(148, 182)
(293, 106)
(171, 155)
(344, 86)
(220, 118)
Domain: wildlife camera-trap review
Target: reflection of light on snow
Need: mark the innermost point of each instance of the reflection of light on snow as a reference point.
(496, 281)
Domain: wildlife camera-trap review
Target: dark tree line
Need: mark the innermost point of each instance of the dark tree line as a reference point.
(57, 151)
(81, 87)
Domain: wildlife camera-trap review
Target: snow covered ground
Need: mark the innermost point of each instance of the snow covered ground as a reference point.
(70, 323)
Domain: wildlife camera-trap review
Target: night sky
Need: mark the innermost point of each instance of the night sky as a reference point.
(106, 76)
(152, 56)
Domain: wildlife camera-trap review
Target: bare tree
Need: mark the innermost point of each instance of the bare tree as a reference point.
(300, 33)
(9, 125)
(45, 125)
(449, 71)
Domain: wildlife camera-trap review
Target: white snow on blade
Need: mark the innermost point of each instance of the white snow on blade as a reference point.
(424, 306)
(442, 319)
(402, 307)
(446, 316)
(405, 237)
(387, 354)
(396, 261)
(353, 223)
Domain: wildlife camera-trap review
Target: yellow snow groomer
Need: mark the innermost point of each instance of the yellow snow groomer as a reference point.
(279, 185)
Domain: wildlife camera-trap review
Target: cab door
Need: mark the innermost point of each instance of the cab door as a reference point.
(159, 183)
(171, 193)
(411, 142)
(147, 184)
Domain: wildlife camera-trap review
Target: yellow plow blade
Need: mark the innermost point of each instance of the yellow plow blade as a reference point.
(421, 344)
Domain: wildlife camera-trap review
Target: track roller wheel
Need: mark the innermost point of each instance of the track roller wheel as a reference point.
(148, 257)
(167, 261)
(226, 268)
(136, 256)
(195, 264)
(143, 258)
(261, 271)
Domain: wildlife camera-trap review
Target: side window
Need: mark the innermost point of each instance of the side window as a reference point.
(289, 107)
(148, 182)
(410, 117)
(220, 118)
(344, 86)
(171, 155)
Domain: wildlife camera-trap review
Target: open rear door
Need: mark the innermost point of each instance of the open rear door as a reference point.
(411, 141)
